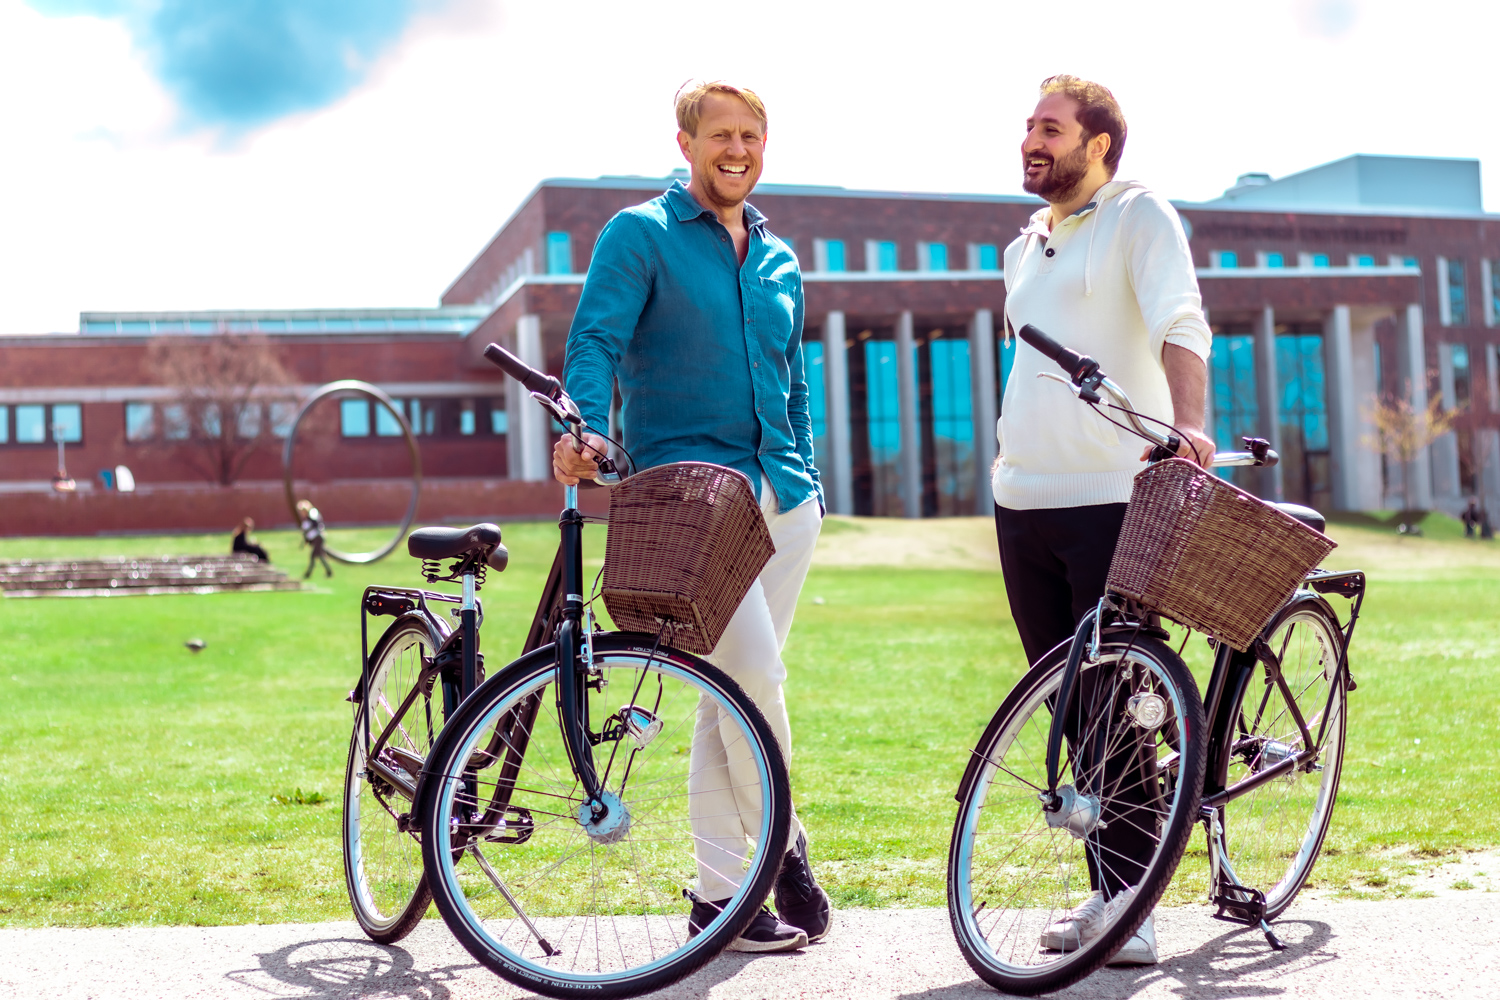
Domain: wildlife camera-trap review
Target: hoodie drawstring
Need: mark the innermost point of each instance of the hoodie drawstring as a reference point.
(1088, 260)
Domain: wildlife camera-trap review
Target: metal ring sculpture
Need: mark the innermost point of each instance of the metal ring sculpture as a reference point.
(380, 398)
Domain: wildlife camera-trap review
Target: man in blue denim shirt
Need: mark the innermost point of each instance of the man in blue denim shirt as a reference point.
(696, 308)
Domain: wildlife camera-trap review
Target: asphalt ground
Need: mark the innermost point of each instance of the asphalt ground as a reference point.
(1445, 946)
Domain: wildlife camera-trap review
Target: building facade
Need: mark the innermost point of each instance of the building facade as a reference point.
(1369, 278)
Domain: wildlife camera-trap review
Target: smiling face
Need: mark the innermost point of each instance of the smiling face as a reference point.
(1055, 159)
(727, 152)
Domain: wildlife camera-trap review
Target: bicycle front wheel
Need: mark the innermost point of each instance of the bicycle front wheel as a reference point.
(1133, 776)
(1271, 835)
(397, 723)
(562, 905)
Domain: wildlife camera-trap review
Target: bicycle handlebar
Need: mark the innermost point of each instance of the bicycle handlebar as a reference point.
(548, 391)
(1085, 381)
(533, 380)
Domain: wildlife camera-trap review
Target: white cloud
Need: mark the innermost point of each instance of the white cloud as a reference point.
(382, 198)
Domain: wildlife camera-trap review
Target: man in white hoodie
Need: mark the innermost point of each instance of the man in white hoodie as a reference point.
(1105, 270)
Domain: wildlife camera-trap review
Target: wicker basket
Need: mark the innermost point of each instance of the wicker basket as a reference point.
(1209, 555)
(686, 541)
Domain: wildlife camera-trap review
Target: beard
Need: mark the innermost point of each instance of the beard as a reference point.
(1062, 179)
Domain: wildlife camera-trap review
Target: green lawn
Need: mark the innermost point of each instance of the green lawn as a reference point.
(143, 783)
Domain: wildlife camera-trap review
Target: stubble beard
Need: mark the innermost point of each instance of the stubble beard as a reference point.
(1062, 181)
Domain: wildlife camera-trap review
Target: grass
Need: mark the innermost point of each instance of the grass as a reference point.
(143, 783)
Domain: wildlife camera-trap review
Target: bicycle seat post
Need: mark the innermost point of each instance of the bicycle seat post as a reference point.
(470, 637)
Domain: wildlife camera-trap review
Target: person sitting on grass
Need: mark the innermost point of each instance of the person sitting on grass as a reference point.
(311, 523)
(244, 541)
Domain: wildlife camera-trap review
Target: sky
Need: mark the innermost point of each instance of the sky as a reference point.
(276, 154)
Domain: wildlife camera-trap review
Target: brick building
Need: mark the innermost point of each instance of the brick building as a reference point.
(1325, 289)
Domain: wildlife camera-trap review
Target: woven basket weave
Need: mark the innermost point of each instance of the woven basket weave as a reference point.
(686, 541)
(1209, 555)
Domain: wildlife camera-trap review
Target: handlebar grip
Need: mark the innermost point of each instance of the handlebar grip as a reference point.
(1070, 361)
(533, 380)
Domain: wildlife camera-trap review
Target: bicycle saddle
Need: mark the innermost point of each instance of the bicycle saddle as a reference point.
(450, 543)
(1306, 515)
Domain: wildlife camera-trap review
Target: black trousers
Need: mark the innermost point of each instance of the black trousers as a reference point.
(1055, 562)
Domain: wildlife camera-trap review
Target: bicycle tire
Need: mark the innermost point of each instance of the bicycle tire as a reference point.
(383, 869)
(1004, 848)
(1271, 836)
(566, 880)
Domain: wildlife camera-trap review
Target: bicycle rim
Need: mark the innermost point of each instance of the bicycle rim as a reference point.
(1013, 877)
(1273, 833)
(382, 864)
(609, 902)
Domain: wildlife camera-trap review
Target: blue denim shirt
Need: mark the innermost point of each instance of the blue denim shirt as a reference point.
(708, 352)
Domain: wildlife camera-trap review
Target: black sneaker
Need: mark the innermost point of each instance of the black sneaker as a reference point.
(800, 901)
(764, 933)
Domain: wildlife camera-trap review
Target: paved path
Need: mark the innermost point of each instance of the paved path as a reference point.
(1441, 947)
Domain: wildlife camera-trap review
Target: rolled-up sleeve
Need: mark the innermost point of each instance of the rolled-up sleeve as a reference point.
(614, 293)
(1165, 281)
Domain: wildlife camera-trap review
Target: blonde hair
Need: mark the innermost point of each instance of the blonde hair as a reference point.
(690, 101)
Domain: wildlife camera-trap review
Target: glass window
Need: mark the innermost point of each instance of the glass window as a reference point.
(31, 424)
(1236, 405)
(135, 326)
(1275, 260)
(1364, 260)
(817, 405)
(1320, 260)
(99, 326)
(559, 253)
(836, 259)
(338, 325)
(937, 256)
(1462, 381)
(1226, 258)
(884, 425)
(4, 424)
(174, 421)
(170, 326)
(1494, 293)
(247, 421)
(282, 415)
(271, 325)
(466, 418)
(1005, 357)
(200, 326)
(354, 418)
(386, 424)
(989, 257)
(1303, 416)
(885, 256)
(952, 427)
(140, 421)
(1458, 303)
(211, 424)
(499, 420)
(67, 423)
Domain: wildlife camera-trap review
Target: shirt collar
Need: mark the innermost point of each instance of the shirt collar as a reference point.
(686, 207)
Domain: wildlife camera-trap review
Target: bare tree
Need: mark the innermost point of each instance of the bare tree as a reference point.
(223, 387)
(1402, 431)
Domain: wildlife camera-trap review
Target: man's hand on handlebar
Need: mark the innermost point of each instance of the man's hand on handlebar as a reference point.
(1195, 445)
(570, 464)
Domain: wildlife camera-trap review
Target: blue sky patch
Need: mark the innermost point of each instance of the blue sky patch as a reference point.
(243, 63)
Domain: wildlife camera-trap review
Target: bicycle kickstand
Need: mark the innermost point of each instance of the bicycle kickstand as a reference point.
(1238, 904)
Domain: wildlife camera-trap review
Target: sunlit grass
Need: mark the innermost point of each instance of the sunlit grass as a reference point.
(142, 783)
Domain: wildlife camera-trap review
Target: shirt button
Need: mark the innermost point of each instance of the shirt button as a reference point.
(756, 365)
(723, 239)
(1051, 252)
(760, 409)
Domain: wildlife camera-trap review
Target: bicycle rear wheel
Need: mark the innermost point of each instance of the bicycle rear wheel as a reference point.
(1135, 761)
(382, 861)
(602, 911)
(1271, 835)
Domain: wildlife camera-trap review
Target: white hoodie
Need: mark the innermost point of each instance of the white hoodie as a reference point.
(1115, 280)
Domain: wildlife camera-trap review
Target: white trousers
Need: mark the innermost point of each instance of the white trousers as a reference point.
(723, 785)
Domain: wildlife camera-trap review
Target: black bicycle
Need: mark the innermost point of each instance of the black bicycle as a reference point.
(549, 810)
(1078, 801)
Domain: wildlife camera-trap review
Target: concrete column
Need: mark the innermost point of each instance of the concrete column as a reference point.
(1367, 489)
(910, 464)
(1343, 420)
(838, 471)
(1487, 464)
(982, 393)
(530, 435)
(1447, 491)
(1268, 398)
(1412, 349)
(1208, 395)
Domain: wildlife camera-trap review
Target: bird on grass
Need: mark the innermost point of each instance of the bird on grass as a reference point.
(196, 645)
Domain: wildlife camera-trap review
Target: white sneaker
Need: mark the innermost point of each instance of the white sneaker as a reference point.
(1078, 928)
(1141, 948)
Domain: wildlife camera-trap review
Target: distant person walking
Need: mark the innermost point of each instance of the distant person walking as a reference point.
(244, 541)
(1104, 269)
(311, 523)
(696, 308)
(1472, 517)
